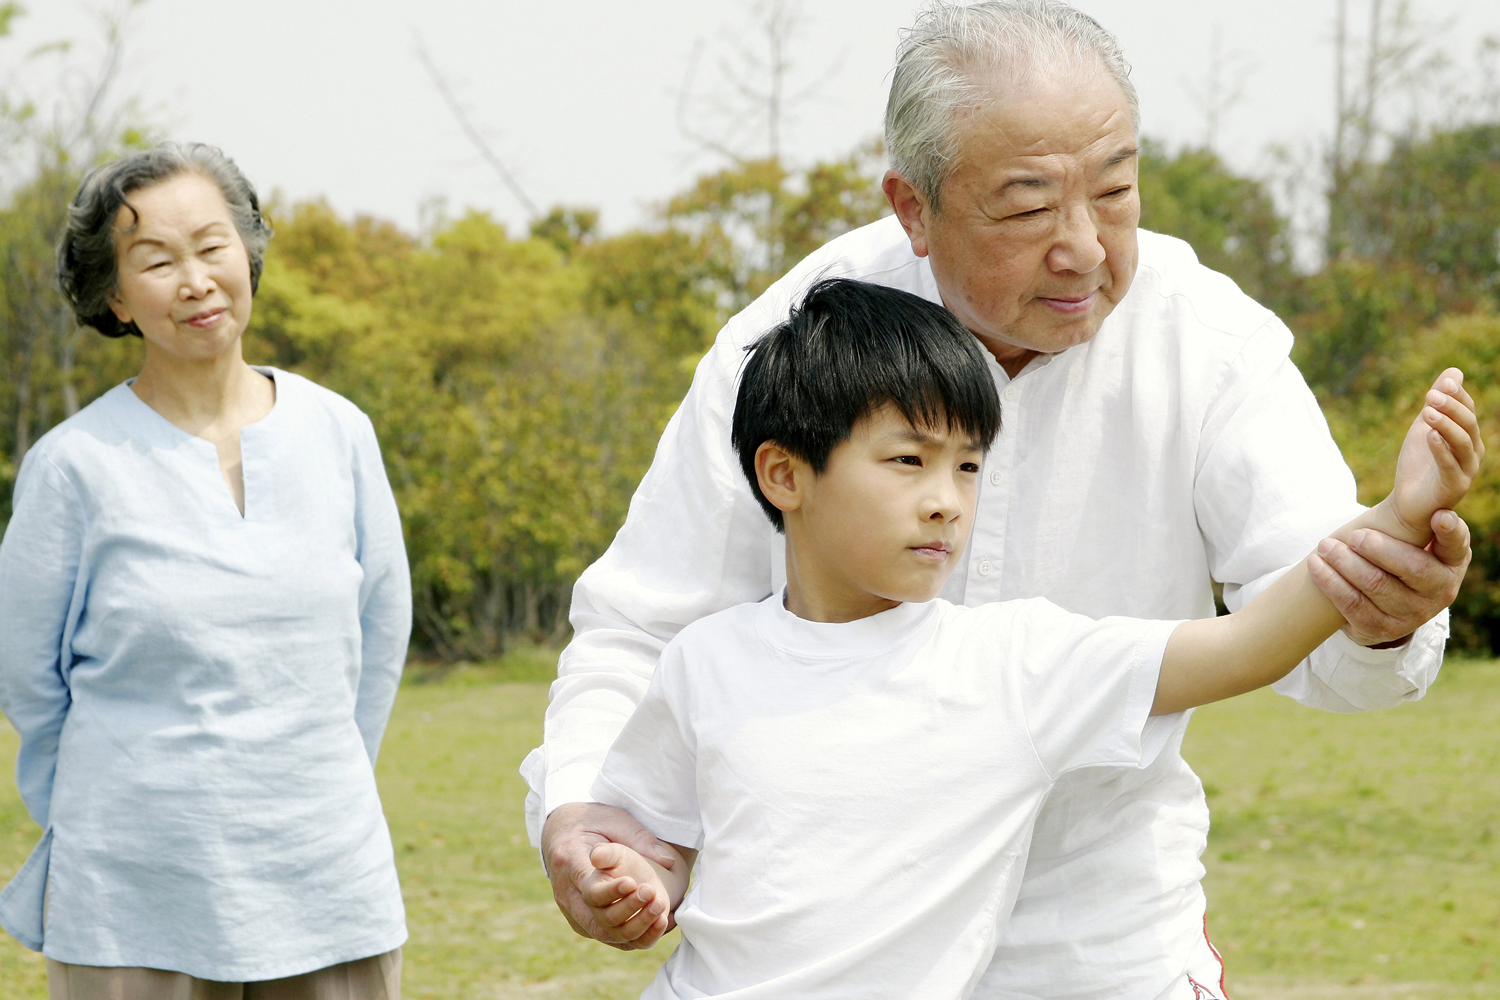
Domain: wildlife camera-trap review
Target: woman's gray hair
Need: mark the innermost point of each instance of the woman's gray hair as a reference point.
(949, 62)
(87, 270)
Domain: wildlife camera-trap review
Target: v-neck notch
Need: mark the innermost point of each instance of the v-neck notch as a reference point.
(209, 452)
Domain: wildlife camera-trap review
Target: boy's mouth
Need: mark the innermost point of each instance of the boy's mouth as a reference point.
(936, 551)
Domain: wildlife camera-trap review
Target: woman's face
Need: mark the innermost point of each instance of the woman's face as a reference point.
(184, 274)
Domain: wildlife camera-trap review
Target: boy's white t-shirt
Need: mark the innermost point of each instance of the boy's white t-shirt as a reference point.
(863, 793)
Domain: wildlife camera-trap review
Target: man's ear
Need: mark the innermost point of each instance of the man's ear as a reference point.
(782, 476)
(910, 207)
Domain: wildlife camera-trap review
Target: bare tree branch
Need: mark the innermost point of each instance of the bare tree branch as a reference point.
(474, 135)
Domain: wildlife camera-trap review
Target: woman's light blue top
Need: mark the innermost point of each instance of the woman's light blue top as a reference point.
(200, 695)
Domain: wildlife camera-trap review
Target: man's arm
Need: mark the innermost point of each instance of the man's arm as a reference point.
(1271, 484)
(1216, 658)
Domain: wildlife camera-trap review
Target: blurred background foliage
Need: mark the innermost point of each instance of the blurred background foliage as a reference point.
(519, 381)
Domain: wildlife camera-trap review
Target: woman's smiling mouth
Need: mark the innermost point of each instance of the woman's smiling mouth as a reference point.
(205, 319)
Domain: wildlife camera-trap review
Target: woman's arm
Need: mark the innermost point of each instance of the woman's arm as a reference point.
(385, 594)
(1216, 658)
(39, 566)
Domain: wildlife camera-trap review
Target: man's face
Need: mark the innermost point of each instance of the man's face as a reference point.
(1034, 241)
(886, 520)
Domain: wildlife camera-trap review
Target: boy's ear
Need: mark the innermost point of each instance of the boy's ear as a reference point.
(782, 476)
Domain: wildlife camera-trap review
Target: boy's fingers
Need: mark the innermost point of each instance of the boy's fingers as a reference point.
(1461, 414)
(1458, 440)
(633, 916)
(606, 856)
(605, 890)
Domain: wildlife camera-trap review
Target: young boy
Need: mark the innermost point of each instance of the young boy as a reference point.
(854, 717)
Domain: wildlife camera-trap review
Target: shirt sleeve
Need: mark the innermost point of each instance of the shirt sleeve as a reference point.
(1270, 485)
(384, 593)
(651, 771)
(40, 562)
(694, 542)
(1087, 686)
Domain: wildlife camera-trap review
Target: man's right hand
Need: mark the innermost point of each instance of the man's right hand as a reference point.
(570, 834)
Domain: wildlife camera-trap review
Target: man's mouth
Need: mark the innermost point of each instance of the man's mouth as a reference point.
(1069, 305)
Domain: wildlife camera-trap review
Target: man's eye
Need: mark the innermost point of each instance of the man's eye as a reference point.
(1035, 213)
(1117, 191)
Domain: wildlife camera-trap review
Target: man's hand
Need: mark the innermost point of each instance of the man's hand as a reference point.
(1385, 587)
(571, 833)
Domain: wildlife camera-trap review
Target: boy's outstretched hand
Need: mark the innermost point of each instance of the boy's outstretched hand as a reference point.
(633, 896)
(1439, 458)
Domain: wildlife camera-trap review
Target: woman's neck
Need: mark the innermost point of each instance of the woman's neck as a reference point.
(204, 396)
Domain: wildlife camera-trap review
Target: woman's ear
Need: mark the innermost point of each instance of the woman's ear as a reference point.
(117, 307)
(782, 476)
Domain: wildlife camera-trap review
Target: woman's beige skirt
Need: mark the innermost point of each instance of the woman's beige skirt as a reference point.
(376, 978)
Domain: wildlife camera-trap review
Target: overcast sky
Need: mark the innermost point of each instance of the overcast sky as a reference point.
(327, 97)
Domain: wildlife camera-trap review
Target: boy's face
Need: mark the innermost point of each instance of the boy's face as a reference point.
(884, 523)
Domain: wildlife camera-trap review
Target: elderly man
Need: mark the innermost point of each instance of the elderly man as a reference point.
(1155, 438)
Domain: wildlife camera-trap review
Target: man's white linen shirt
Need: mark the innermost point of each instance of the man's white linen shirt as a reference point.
(201, 695)
(781, 749)
(1179, 446)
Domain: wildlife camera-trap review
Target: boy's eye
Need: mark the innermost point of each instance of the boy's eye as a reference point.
(968, 467)
(909, 460)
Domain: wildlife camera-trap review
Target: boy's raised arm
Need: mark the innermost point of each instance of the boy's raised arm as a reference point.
(1216, 658)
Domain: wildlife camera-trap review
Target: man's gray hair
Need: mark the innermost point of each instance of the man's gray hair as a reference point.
(949, 64)
(86, 261)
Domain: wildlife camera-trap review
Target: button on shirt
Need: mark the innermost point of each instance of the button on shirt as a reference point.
(200, 696)
(1179, 446)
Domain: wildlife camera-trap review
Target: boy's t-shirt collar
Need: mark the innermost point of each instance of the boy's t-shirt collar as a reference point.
(803, 639)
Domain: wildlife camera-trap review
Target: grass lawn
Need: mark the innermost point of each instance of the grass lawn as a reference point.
(1351, 857)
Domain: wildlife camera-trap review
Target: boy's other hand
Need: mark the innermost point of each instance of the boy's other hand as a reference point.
(570, 834)
(1439, 458)
(626, 893)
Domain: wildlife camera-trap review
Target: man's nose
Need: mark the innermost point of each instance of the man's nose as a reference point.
(1077, 248)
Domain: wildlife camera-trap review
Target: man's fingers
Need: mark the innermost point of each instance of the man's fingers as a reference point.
(1349, 601)
(1450, 539)
(1406, 571)
(1368, 566)
(644, 843)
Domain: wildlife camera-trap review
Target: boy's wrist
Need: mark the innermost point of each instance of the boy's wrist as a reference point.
(1384, 518)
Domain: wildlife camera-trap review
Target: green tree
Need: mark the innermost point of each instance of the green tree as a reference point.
(1231, 221)
(1368, 424)
(1434, 203)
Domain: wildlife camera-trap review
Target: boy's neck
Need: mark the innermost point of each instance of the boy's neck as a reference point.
(819, 596)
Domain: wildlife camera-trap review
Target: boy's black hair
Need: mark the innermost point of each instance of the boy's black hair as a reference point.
(848, 349)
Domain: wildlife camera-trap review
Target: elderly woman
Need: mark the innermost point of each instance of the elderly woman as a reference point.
(204, 610)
